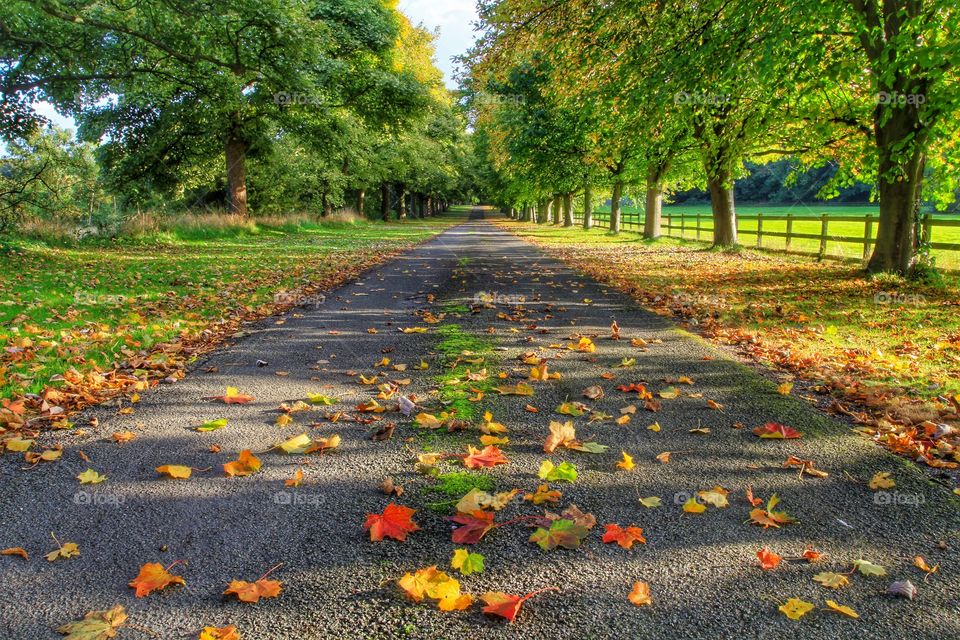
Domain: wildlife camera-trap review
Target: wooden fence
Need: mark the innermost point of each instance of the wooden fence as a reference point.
(699, 226)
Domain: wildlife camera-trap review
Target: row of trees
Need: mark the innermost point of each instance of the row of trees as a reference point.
(279, 104)
(669, 94)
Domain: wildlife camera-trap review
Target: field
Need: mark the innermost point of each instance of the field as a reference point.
(823, 321)
(89, 305)
(807, 222)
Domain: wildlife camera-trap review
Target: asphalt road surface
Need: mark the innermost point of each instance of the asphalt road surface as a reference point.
(704, 576)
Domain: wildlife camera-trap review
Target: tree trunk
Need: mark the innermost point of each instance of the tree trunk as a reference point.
(568, 209)
(654, 208)
(236, 152)
(724, 212)
(557, 203)
(900, 188)
(587, 205)
(429, 206)
(542, 206)
(361, 201)
(325, 202)
(402, 208)
(615, 206)
(385, 201)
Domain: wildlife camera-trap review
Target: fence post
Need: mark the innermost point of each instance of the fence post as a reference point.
(789, 231)
(824, 228)
(927, 236)
(669, 225)
(759, 230)
(698, 226)
(867, 237)
(683, 219)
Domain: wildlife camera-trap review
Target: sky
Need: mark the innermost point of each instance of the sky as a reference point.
(453, 18)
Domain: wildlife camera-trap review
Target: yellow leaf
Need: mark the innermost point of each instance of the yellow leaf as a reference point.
(795, 609)
(655, 427)
(66, 550)
(626, 463)
(716, 496)
(785, 388)
(640, 595)
(652, 502)
(921, 564)
(91, 477)
(839, 608)
(284, 419)
(670, 393)
(17, 444)
(693, 506)
(177, 471)
(831, 580)
(295, 480)
(882, 480)
(624, 419)
(296, 444)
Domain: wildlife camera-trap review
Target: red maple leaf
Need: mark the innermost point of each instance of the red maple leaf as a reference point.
(474, 526)
(489, 457)
(506, 605)
(625, 537)
(395, 522)
(630, 388)
(777, 431)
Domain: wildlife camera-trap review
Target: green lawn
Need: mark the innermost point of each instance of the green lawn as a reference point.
(92, 304)
(807, 222)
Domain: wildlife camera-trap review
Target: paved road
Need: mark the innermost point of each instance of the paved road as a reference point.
(702, 569)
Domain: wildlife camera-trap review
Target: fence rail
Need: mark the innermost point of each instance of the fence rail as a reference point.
(699, 226)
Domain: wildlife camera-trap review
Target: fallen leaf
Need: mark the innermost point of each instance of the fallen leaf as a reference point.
(651, 502)
(773, 430)
(15, 551)
(716, 496)
(542, 495)
(219, 633)
(253, 591)
(473, 526)
(693, 506)
(489, 457)
(839, 608)
(626, 463)
(768, 559)
(233, 396)
(246, 464)
(176, 471)
(212, 425)
(831, 580)
(882, 480)
(868, 568)
(921, 564)
(66, 550)
(664, 457)
(564, 471)
(904, 589)
(96, 625)
(395, 522)
(91, 477)
(467, 562)
(796, 609)
(153, 577)
(295, 480)
(506, 605)
(640, 594)
(625, 537)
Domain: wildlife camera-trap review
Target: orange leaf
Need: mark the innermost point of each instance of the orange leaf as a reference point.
(623, 537)
(16, 551)
(640, 595)
(153, 577)
(395, 522)
(490, 456)
(768, 559)
(506, 605)
(253, 591)
(247, 464)
(811, 554)
(220, 633)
